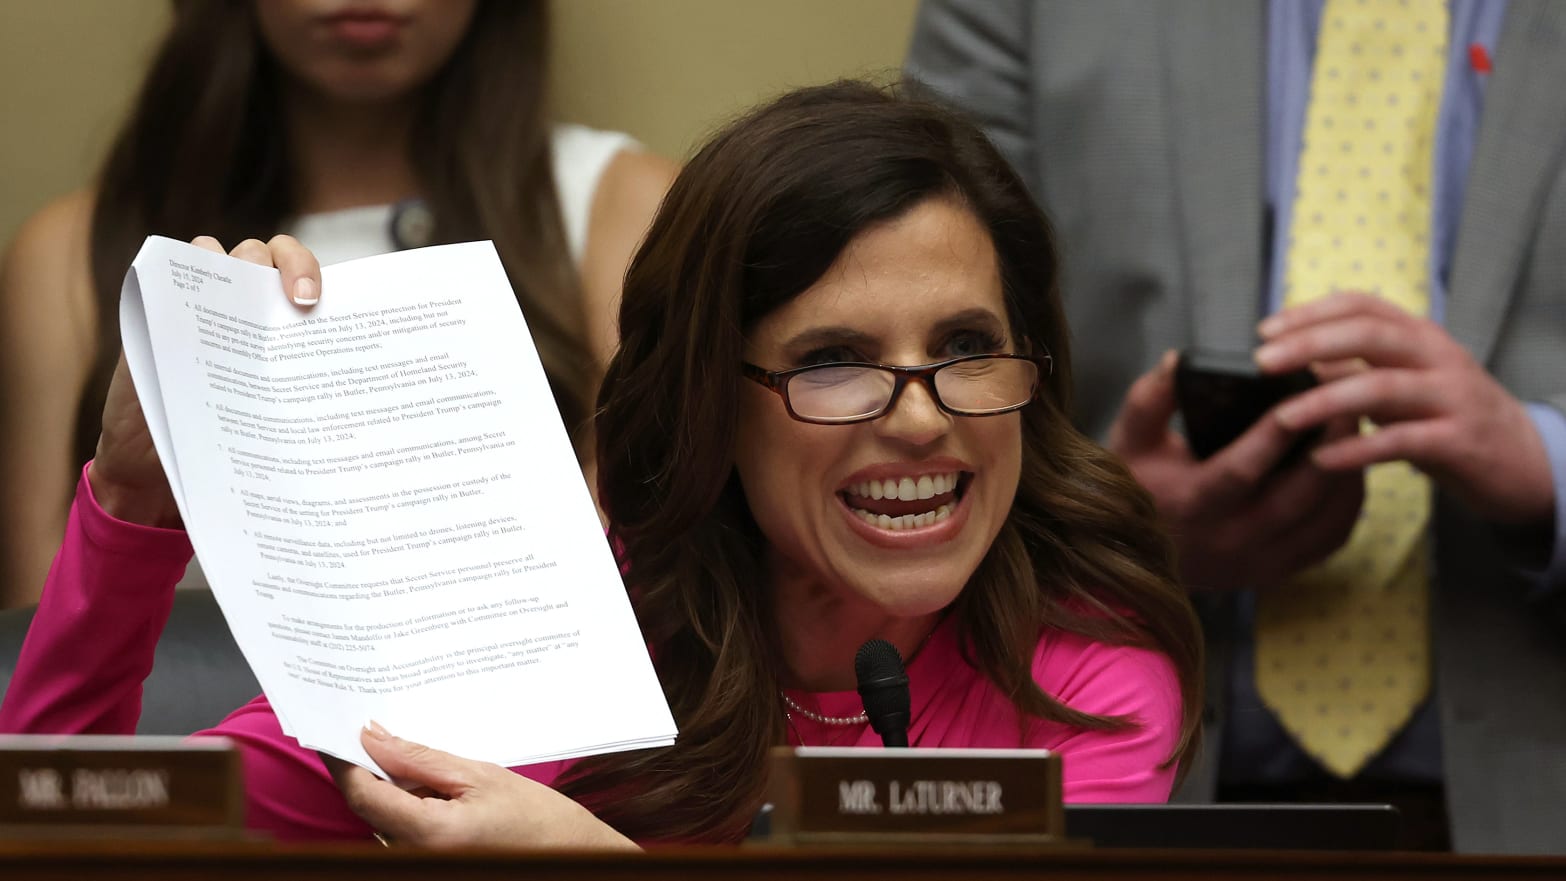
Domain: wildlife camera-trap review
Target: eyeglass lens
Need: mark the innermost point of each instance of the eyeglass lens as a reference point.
(977, 387)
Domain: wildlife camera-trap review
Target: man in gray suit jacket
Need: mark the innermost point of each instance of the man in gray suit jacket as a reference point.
(1143, 128)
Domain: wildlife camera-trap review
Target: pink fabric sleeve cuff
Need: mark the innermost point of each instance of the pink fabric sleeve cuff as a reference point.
(102, 530)
(93, 637)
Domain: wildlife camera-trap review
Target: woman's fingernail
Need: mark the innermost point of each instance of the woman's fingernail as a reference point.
(1268, 356)
(375, 730)
(304, 292)
(1168, 362)
(1269, 326)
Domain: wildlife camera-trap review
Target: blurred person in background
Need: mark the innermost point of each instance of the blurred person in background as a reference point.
(357, 127)
(1384, 183)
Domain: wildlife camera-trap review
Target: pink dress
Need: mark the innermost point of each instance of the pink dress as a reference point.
(109, 593)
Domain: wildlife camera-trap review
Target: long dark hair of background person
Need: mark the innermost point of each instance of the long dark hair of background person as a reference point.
(205, 152)
(755, 219)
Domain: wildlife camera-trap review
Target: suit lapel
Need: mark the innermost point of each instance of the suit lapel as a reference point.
(1213, 55)
(1518, 149)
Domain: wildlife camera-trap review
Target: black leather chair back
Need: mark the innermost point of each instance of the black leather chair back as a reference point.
(198, 675)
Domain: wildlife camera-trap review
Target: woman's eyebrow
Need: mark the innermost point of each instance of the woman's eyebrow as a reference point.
(976, 318)
(819, 337)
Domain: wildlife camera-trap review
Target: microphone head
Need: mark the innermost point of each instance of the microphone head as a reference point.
(883, 686)
(877, 659)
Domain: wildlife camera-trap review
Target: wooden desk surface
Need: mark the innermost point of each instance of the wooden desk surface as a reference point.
(229, 861)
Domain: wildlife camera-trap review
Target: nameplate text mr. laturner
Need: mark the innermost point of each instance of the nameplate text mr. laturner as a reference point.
(971, 797)
(915, 796)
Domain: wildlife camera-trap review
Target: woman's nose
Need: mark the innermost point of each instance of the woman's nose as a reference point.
(915, 418)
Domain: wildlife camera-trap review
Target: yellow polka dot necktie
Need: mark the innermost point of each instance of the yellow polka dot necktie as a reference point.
(1343, 650)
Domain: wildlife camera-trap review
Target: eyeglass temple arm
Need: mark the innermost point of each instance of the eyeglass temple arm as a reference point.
(765, 378)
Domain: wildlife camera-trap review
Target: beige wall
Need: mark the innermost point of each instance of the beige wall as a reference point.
(667, 71)
(68, 68)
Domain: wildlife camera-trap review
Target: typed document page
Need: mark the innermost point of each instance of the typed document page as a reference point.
(387, 506)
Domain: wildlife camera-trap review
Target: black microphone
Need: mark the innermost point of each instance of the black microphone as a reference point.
(883, 686)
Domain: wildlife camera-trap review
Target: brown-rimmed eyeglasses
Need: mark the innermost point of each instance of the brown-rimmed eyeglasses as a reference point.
(843, 392)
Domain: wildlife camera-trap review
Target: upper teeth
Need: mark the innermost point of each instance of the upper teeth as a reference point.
(908, 489)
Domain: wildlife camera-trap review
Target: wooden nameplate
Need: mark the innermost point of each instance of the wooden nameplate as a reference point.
(102, 786)
(823, 795)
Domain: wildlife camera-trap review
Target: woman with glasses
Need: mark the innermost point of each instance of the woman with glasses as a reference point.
(839, 411)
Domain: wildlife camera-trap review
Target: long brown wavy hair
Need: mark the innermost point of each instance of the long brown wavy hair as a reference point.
(755, 219)
(205, 152)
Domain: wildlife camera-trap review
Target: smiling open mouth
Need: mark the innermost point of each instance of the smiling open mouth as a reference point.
(907, 502)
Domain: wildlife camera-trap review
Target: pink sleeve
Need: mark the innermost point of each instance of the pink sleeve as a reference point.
(1139, 684)
(91, 641)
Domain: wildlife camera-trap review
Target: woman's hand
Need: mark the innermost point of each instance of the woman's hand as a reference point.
(468, 803)
(125, 475)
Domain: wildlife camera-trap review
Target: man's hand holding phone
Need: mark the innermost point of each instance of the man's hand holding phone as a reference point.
(1436, 407)
(1221, 394)
(1248, 515)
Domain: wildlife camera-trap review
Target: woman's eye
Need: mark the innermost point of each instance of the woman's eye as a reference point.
(960, 345)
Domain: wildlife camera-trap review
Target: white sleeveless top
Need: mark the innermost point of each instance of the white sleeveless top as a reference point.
(579, 156)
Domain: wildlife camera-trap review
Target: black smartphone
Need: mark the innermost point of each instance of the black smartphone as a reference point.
(1221, 394)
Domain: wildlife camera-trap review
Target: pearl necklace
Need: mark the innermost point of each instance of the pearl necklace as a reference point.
(791, 705)
(819, 719)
